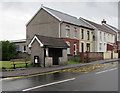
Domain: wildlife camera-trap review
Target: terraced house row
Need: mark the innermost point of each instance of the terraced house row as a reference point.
(60, 34)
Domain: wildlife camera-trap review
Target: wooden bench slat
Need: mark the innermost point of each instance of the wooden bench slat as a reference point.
(15, 62)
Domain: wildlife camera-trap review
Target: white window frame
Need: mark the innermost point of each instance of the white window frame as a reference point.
(100, 36)
(75, 48)
(68, 49)
(75, 32)
(100, 46)
(88, 35)
(88, 48)
(67, 31)
(104, 37)
(82, 34)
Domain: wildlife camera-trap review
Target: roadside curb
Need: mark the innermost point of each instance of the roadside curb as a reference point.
(62, 68)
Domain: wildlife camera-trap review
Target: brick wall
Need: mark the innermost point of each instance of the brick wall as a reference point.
(86, 57)
(109, 47)
(91, 56)
(72, 41)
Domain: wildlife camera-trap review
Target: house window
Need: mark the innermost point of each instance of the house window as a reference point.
(68, 49)
(88, 47)
(108, 37)
(104, 37)
(100, 46)
(75, 30)
(17, 48)
(67, 31)
(82, 47)
(100, 36)
(24, 48)
(82, 32)
(75, 48)
(112, 39)
(92, 36)
(88, 35)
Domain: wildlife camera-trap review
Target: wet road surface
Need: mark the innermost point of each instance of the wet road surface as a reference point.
(104, 78)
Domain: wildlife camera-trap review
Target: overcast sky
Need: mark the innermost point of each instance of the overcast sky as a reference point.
(15, 15)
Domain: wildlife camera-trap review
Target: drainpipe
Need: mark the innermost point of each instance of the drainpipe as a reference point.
(60, 29)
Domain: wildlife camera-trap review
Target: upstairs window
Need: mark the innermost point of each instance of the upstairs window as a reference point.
(88, 35)
(104, 37)
(67, 31)
(108, 37)
(82, 33)
(75, 31)
(100, 36)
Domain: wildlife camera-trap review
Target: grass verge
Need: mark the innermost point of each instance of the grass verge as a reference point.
(73, 62)
(9, 65)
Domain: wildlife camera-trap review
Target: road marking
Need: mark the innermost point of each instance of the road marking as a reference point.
(49, 84)
(106, 70)
(5, 79)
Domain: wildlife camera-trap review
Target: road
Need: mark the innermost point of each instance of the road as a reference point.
(102, 79)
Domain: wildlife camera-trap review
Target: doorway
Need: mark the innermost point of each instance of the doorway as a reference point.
(55, 53)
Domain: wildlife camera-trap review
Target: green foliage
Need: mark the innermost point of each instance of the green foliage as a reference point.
(73, 62)
(9, 65)
(8, 50)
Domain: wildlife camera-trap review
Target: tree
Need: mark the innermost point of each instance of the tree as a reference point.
(8, 50)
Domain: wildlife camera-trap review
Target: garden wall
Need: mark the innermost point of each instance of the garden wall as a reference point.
(92, 56)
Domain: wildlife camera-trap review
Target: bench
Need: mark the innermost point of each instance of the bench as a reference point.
(15, 62)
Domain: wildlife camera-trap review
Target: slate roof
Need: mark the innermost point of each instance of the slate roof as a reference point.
(111, 27)
(67, 18)
(63, 17)
(52, 42)
(18, 41)
(100, 27)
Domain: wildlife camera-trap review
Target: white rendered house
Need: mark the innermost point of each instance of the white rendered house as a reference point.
(103, 36)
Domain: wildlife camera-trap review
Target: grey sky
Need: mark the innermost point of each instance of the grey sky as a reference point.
(15, 15)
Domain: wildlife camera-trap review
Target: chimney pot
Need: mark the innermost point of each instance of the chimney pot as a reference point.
(103, 21)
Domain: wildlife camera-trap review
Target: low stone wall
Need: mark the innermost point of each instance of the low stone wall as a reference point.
(107, 55)
(73, 57)
(86, 57)
(115, 55)
(92, 56)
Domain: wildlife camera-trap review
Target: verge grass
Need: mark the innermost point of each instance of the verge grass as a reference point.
(9, 65)
(73, 62)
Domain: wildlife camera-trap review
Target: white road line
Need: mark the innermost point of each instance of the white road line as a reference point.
(106, 70)
(48, 84)
(5, 79)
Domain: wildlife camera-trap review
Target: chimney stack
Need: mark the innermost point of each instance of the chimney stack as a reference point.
(41, 5)
(103, 21)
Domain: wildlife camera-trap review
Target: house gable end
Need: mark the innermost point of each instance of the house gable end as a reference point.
(45, 10)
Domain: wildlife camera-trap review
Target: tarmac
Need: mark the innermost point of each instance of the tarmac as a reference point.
(39, 70)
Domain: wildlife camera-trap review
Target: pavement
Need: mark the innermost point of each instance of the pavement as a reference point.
(38, 70)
